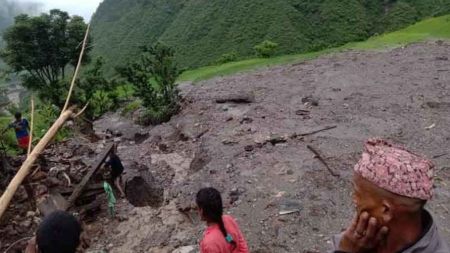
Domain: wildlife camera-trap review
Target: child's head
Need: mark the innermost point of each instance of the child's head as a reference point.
(18, 116)
(209, 203)
(58, 233)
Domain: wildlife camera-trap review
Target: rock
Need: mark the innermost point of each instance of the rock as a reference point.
(25, 224)
(290, 172)
(229, 142)
(185, 249)
(276, 139)
(30, 214)
(246, 120)
(310, 100)
(442, 58)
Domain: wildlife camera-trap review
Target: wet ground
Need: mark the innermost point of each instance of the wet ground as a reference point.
(256, 155)
(255, 149)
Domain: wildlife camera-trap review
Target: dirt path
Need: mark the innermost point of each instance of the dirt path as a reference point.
(402, 95)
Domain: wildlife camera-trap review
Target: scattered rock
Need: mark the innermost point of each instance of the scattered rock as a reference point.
(276, 139)
(185, 249)
(25, 224)
(246, 120)
(310, 100)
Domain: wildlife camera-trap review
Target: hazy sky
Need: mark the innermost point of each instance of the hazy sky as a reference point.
(83, 8)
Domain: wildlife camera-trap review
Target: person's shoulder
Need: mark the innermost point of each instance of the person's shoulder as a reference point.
(229, 219)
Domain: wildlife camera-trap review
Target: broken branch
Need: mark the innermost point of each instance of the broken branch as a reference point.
(30, 142)
(318, 156)
(316, 131)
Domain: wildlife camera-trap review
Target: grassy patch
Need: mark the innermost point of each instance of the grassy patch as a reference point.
(428, 29)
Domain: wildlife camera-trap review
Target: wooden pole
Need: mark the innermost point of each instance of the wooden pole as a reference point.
(26, 166)
(66, 113)
(77, 69)
(30, 142)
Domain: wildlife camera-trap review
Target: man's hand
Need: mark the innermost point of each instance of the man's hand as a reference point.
(363, 235)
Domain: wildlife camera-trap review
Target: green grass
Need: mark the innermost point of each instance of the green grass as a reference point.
(434, 28)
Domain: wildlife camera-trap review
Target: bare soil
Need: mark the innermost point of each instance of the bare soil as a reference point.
(254, 151)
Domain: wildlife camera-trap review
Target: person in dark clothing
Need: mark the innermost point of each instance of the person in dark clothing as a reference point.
(58, 233)
(115, 164)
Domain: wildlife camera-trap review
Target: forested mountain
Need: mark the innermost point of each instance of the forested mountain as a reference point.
(203, 30)
(9, 9)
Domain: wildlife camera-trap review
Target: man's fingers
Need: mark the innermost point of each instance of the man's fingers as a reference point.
(382, 233)
(352, 227)
(371, 229)
(362, 224)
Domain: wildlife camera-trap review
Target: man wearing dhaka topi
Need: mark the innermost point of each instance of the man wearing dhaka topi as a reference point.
(391, 188)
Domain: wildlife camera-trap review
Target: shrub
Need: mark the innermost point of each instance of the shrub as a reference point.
(153, 77)
(266, 49)
(228, 57)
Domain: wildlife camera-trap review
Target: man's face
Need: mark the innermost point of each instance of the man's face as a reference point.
(366, 199)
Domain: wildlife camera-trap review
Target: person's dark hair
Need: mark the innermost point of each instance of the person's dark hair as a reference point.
(59, 232)
(210, 201)
(18, 115)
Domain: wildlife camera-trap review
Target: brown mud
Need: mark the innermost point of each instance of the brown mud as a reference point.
(248, 136)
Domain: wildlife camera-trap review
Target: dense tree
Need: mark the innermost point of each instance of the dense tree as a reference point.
(153, 77)
(42, 48)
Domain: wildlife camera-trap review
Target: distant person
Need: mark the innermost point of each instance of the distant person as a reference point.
(222, 234)
(391, 188)
(21, 127)
(117, 169)
(59, 232)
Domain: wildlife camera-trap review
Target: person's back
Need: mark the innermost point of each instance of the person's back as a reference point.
(214, 241)
(222, 234)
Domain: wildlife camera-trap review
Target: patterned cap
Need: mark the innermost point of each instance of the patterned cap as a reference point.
(397, 170)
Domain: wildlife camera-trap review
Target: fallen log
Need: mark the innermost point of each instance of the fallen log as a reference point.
(95, 166)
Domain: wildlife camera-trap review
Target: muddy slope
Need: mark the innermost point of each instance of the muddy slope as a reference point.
(255, 154)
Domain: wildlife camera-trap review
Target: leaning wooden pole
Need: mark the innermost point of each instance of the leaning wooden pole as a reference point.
(26, 166)
(66, 114)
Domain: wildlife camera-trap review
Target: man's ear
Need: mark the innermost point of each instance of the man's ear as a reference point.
(387, 211)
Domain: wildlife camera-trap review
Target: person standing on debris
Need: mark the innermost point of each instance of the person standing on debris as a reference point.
(21, 126)
(391, 188)
(58, 233)
(223, 234)
(117, 169)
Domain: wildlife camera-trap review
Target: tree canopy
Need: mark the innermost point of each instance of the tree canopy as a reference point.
(42, 48)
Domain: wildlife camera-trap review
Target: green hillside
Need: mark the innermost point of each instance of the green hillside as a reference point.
(203, 30)
(433, 28)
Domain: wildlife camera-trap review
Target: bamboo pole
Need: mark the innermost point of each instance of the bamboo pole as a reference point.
(26, 166)
(66, 113)
(77, 69)
(31, 127)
